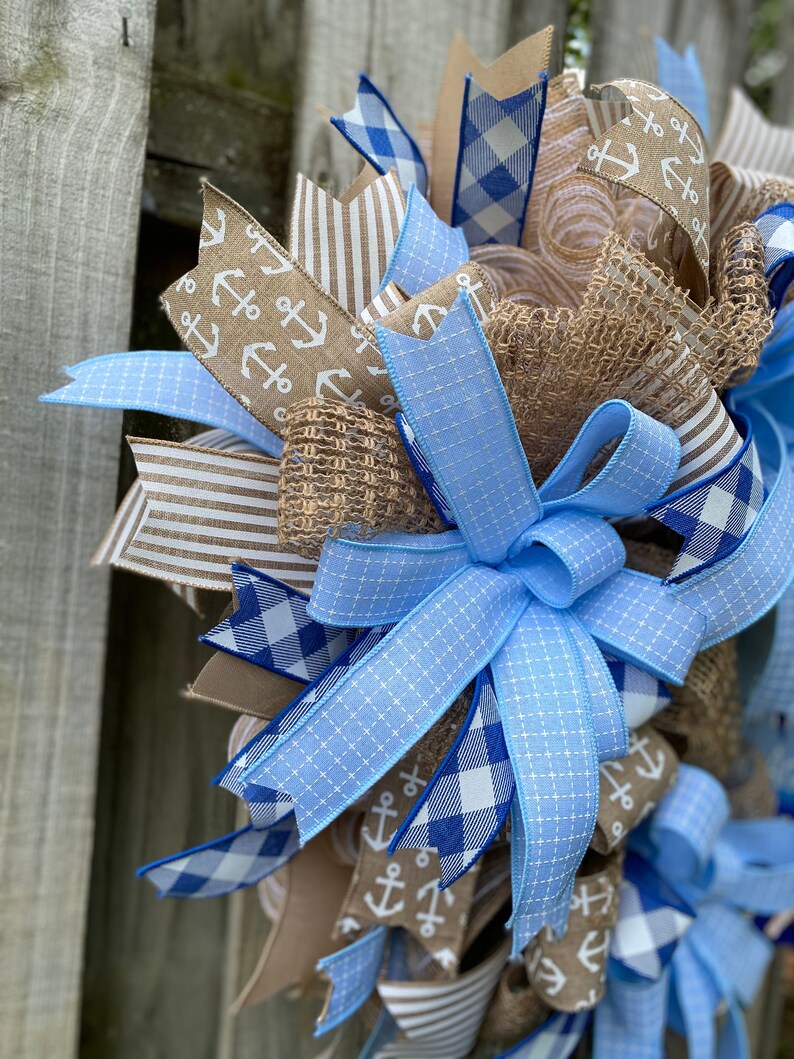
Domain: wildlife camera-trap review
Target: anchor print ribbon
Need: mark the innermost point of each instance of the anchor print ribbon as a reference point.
(658, 151)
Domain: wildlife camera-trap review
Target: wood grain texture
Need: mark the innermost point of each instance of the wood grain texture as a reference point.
(73, 104)
(622, 33)
(402, 45)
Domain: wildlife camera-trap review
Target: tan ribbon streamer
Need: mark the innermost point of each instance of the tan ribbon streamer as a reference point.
(438, 1019)
(205, 509)
(511, 73)
(264, 327)
(658, 152)
(402, 890)
(345, 243)
(747, 139)
(569, 973)
(237, 685)
(630, 787)
(314, 884)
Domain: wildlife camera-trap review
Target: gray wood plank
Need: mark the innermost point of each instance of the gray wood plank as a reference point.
(73, 104)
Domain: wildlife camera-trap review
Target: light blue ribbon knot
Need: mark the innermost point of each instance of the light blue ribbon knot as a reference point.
(532, 582)
(722, 870)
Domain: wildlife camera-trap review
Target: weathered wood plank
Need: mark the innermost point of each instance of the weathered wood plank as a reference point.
(622, 33)
(403, 46)
(73, 104)
(236, 139)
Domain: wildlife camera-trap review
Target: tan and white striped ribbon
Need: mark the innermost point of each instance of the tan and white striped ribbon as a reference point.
(747, 139)
(205, 509)
(345, 244)
(389, 299)
(441, 1019)
(731, 187)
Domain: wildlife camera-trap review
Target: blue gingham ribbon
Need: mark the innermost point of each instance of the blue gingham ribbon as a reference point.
(485, 593)
(496, 162)
(682, 77)
(715, 515)
(269, 627)
(557, 1038)
(776, 226)
(422, 468)
(227, 864)
(169, 381)
(376, 132)
(465, 804)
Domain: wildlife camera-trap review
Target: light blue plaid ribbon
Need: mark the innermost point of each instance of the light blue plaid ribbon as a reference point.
(721, 869)
(377, 133)
(681, 76)
(776, 226)
(353, 972)
(426, 250)
(487, 592)
(169, 381)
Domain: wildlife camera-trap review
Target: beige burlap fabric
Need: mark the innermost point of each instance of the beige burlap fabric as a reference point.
(569, 973)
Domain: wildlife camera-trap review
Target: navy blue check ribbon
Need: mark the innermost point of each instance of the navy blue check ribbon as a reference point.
(776, 226)
(270, 628)
(715, 516)
(496, 162)
(376, 132)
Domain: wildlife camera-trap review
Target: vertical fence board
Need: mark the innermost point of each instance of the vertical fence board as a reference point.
(73, 104)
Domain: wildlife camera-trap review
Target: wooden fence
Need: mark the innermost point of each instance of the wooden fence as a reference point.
(104, 766)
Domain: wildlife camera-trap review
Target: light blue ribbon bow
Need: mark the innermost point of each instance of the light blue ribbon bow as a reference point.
(532, 582)
(721, 869)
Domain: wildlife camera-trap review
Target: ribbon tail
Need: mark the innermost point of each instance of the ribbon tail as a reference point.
(169, 381)
(544, 704)
(463, 807)
(227, 864)
(377, 711)
(353, 973)
(630, 1020)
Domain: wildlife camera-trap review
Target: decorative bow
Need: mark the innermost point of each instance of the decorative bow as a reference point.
(683, 945)
(531, 582)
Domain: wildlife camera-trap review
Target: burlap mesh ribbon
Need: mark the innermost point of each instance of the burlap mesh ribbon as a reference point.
(345, 470)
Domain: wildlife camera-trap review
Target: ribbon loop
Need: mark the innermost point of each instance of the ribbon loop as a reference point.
(565, 555)
(639, 470)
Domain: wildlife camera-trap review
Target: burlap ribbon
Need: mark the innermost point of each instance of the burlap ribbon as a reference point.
(658, 151)
(569, 973)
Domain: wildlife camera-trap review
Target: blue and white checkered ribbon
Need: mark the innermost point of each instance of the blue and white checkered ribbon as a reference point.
(715, 515)
(169, 381)
(377, 133)
(776, 226)
(270, 628)
(353, 972)
(496, 162)
(557, 1038)
(681, 76)
(422, 468)
(486, 593)
(227, 864)
(426, 250)
(463, 807)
